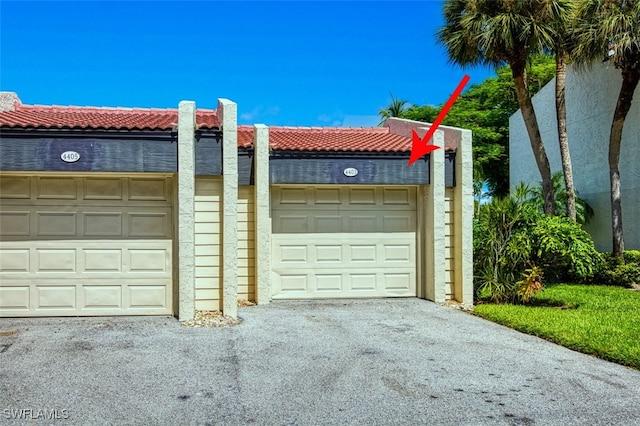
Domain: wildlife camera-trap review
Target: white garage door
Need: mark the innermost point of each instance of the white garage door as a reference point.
(82, 246)
(333, 242)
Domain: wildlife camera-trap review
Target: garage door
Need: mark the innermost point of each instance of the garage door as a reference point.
(334, 242)
(82, 246)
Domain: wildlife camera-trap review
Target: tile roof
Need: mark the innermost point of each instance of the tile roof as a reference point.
(393, 138)
(345, 139)
(75, 117)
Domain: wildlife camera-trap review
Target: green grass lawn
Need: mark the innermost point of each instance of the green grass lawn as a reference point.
(598, 320)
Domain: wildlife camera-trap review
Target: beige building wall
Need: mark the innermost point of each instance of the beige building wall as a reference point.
(449, 244)
(207, 243)
(246, 244)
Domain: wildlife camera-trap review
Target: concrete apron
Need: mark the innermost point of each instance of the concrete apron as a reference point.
(385, 361)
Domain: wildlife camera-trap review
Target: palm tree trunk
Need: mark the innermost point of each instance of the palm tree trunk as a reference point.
(630, 78)
(531, 122)
(563, 139)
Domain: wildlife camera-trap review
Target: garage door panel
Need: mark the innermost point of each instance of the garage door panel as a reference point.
(148, 296)
(397, 253)
(102, 260)
(329, 253)
(58, 188)
(327, 196)
(288, 253)
(359, 253)
(102, 296)
(15, 299)
(397, 281)
(361, 196)
(327, 222)
(149, 260)
(56, 297)
(294, 283)
(102, 224)
(149, 189)
(56, 224)
(362, 282)
(15, 223)
(103, 188)
(15, 260)
(149, 224)
(17, 187)
(329, 282)
(58, 260)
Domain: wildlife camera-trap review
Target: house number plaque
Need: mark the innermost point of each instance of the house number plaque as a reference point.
(70, 156)
(350, 172)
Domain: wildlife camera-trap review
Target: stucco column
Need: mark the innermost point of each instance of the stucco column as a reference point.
(463, 219)
(435, 224)
(262, 213)
(228, 113)
(186, 195)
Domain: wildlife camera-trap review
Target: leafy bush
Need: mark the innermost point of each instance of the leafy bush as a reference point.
(614, 271)
(564, 249)
(584, 212)
(502, 248)
(632, 256)
(512, 239)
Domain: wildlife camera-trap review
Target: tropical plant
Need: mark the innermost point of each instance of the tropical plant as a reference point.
(616, 271)
(610, 29)
(502, 247)
(584, 212)
(394, 109)
(564, 249)
(562, 46)
(513, 237)
(493, 32)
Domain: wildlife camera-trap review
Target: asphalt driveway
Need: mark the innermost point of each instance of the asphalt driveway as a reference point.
(404, 361)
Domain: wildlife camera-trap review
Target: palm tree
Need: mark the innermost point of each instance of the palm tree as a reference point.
(492, 32)
(562, 45)
(394, 109)
(611, 29)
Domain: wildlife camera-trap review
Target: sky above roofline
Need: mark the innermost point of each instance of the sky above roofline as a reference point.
(284, 63)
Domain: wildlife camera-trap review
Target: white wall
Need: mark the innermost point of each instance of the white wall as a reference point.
(591, 97)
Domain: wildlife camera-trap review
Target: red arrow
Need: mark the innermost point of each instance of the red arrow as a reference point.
(421, 147)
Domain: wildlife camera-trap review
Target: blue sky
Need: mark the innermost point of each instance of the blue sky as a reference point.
(294, 63)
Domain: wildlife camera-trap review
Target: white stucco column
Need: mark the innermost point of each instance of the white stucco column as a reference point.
(186, 195)
(463, 219)
(228, 113)
(262, 213)
(435, 224)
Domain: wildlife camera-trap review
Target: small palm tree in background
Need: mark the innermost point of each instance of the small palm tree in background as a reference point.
(394, 109)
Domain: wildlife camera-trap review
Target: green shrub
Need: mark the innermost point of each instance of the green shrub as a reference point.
(512, 239)
(632, 256)
(614, 271)
(502, 248)
(564, 249)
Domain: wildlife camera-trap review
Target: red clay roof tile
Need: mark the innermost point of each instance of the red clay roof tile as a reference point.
(338, 139)
(346, 139)
(74, 117)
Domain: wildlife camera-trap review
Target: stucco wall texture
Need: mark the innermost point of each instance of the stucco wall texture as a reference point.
(591, 97)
